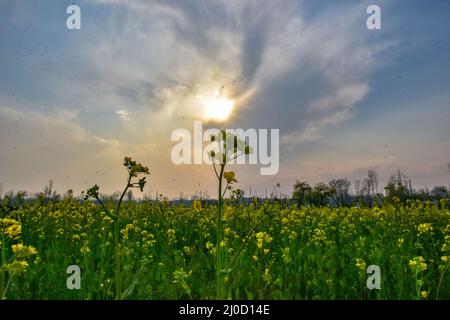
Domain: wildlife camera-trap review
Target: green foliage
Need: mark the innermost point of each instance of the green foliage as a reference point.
(168, 252)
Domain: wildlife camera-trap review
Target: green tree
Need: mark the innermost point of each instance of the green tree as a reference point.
(320, 194)
(302, 192)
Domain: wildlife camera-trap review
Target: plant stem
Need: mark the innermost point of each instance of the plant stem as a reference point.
(117, 242)
(440, 283)
(2, 271)
(249, 234)
(117, 256)
(3, 297)
(219, 265)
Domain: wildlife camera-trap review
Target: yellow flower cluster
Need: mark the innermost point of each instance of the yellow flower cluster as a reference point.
(446, 244)
(171, 235)
(319, 235)
(197, 206)
(418, 264)
(360, 264)
(21, 251)
(286, 255)
(424, 228)
(148, 239)
(17, 267)
(85, 249)
(261, 238)
(17, 263)
(211, 247)
(10, 228)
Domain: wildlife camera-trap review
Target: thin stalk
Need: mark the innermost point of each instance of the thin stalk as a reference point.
(117, 241)
(6, 288)
(249, 235)
(440, 283)
(2, 271)
(105, 208)
(219, 260)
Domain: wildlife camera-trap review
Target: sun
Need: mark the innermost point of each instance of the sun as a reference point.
(218, 107)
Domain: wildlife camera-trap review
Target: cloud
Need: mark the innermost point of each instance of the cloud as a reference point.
(37, 147)
(343, 97)
(268, 56)
(123, 114)
(135, 71)
(284, 66)
(312, 129)
(336, 108)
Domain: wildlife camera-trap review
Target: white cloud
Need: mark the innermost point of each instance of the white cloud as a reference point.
(123, 114)
(148, 61)
(344, 97)
(36, 148)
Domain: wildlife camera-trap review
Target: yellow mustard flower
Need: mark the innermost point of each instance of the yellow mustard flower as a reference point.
(418, 264)
(22, 251)
(10, 227)
(17, 266)
(360, 264)
(424, 228)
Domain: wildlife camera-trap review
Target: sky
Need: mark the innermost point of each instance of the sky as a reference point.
(345, 99)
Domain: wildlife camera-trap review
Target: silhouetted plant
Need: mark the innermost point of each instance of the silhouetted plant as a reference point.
(230, 147)
(134, 170)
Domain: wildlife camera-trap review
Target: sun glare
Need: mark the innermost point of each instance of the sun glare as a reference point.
(219, 108)
(216, 105)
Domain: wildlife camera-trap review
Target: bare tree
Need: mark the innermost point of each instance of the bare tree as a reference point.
(369, 186)
(50, 193)
(339, 189)
(399, 178)
(357, 188)
(48, 189)
(373, 181)
(448, 167)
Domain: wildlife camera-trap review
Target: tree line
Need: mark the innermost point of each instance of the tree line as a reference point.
(366, 192)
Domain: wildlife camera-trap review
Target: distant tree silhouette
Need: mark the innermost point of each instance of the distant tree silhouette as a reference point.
(397, 187)
(339, 191)
(302, 192)
(320, 194)
(440, 192)
(448, 167)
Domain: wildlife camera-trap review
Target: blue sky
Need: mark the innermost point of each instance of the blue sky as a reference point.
(346, 99)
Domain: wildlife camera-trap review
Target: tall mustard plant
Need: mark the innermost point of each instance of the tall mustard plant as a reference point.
(228, 148)
(134, 170)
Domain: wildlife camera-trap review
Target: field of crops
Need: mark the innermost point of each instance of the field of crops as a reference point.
(168, 252)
